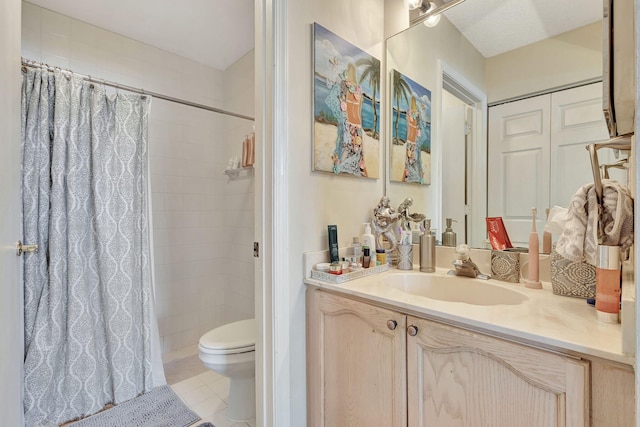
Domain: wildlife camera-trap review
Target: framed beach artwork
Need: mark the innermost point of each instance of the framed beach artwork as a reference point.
(346, 107)
(410, 131)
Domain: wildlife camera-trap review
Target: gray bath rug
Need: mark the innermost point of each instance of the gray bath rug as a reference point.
(161, 407)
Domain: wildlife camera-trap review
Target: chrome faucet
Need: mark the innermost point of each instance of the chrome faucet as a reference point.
(464, 266)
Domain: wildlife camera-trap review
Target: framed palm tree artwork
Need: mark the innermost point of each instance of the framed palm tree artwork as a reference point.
(410, 131)
(346, 107)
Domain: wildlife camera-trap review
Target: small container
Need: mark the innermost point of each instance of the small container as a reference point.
(366, 258)
(608, 284)
(381, 256)
(356, 248)
(405, 257)
(335, 268)
(322, 266)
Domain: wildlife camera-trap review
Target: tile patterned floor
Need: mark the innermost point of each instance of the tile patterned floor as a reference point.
(207, 394)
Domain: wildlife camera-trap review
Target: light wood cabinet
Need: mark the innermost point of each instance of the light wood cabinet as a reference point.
(460, 378)
(361, 372)
(355, 363)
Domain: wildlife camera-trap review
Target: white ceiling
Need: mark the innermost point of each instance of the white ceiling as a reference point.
(497, 26)
(212, 32)
(219, 32)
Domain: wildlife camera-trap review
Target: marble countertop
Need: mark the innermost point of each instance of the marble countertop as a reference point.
(551, 321)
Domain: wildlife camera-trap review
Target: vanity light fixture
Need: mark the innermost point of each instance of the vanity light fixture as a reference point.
(427, 11)
(413, 4)
(432, 20)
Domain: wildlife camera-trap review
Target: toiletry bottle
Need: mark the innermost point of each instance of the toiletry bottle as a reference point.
(334, 253)
(608, 284)
(356, 248)
(546, 239)
(366, 258)
(533, 281)
(449, 236)
(367, 238)
(427, 249)
(381, 256)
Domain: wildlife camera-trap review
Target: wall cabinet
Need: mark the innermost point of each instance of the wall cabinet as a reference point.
(370, 366)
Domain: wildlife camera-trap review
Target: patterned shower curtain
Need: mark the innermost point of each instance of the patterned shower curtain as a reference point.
(87, 292)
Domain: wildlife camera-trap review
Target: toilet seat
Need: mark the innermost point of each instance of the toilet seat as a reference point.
(233, 338)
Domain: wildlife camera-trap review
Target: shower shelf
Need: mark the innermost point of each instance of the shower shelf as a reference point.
(234, 173)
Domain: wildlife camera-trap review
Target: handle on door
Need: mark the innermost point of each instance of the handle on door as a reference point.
(412, 330)
(20, 248)
(391, 324)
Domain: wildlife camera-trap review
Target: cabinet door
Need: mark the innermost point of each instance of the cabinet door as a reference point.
(461, 378)
(355, 363)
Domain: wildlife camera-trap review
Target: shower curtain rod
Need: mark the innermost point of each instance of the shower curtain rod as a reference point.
(34, 64)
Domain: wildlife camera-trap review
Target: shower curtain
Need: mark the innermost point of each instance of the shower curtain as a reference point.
(87, 292)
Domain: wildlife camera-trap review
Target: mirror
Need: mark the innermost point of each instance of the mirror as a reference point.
(463, 82)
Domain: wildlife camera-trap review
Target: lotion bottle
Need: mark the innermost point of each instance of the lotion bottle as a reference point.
(608, 284)
(367, 238)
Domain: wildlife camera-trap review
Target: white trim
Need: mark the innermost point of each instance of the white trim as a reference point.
(478, 189)
(272, 213)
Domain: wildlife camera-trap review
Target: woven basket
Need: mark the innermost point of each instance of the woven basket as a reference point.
(572, 278)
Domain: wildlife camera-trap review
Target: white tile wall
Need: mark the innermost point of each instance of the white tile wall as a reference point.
(203, 222)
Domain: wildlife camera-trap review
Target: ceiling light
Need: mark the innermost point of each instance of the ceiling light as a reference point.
(413, 4)
(433, 20)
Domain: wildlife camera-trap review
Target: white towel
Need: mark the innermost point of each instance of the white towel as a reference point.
(579, 239)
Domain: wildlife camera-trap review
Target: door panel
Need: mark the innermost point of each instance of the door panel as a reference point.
(518, 166)
(576, 120)
(357, 363)
(11, 344)
(460, 378)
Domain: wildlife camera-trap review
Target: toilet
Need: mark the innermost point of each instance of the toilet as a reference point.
(230, 351)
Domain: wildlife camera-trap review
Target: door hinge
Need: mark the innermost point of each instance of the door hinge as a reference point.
(256, 249)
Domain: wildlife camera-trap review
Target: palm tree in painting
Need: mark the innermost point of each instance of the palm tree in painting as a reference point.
(400, 89)
(372, 71)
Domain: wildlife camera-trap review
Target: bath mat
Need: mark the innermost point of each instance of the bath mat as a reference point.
(161, 407)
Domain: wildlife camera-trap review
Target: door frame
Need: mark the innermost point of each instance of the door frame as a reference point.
(449, 76)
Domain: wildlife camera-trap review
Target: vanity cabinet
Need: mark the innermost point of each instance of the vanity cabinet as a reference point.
(355, 363)
(456, 377)
(370, 366)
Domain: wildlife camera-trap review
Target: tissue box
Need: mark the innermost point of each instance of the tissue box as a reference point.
(572, 278)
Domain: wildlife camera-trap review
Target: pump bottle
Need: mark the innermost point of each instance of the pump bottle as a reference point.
(368, 239)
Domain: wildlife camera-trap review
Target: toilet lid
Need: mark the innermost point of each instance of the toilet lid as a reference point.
(240, 336)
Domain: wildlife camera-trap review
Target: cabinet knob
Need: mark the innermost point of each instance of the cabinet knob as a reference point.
(391, 324)
(412, 330)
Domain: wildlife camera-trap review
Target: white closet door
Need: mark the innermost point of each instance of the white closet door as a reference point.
(518, 164)
(576, 120)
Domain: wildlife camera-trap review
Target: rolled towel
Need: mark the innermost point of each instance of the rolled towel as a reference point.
(579, 239)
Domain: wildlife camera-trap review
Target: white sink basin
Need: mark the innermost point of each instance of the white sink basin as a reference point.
(454, 289)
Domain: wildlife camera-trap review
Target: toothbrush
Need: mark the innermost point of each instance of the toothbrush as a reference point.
(534, 260)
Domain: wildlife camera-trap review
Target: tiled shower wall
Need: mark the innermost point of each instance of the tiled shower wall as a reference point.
(202, 220)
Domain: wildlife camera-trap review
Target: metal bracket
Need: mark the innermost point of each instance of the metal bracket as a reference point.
(20, 248)
(256, 250)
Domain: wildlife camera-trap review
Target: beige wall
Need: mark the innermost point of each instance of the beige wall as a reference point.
(567, 58)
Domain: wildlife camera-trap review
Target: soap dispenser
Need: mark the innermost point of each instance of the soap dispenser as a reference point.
(449, 236)
(427, 249)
